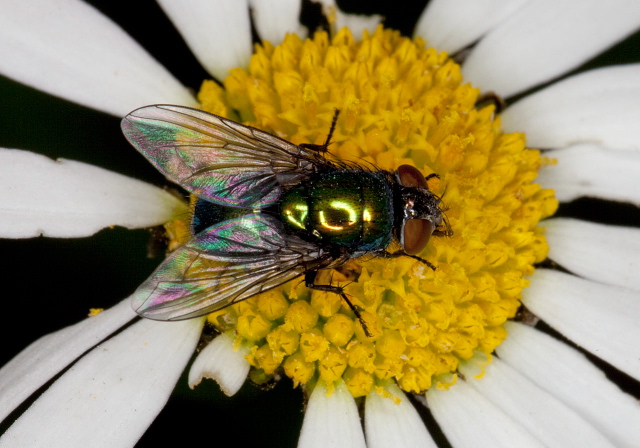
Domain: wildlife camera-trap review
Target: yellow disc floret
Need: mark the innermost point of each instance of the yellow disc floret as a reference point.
(401, 103)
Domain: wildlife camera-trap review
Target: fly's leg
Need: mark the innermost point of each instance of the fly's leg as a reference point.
(489, 98)
(401, 253)
(309, 281)
(431, 176)
(323, 147)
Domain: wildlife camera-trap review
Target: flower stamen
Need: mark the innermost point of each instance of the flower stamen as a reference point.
(401, 103)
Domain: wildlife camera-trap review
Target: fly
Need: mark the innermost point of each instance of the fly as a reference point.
(269, 211)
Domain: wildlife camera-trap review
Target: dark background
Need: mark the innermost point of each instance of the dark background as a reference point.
(51, 283)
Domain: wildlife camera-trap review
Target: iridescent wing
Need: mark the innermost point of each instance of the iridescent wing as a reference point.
(226, 263)
(218, 159)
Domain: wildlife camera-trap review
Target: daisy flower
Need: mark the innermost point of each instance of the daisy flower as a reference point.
(483, 351)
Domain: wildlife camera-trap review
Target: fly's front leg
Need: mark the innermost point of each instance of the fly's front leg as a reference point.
(431, 176)
(401, 253)
(309, 281)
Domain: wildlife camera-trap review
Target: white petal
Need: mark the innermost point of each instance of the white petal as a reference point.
(388, 424)
(222, 363)
(357, 23)
(65, 198)
(452, 25)
(69, 49)
(217, 31)
(569, 376)
(548, 419)
(331, 421)
(601, 318)
(594, 171)
(469, 420)
(47, 356)
(600, 106)
(110, 397)
(604, 253)
(545, 39)
(275, 18)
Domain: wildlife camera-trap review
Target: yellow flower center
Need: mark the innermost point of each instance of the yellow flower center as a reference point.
(400, 103)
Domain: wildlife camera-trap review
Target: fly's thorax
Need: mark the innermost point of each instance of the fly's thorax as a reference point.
(348, 208)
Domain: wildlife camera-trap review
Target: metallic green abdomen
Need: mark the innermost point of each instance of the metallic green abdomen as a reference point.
(348, 208)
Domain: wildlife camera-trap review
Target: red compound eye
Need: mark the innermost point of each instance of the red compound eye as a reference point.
(416, 232)
(410, 176)
(416, 235)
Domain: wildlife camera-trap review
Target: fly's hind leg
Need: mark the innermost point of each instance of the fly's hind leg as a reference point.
(324, 146)
(309, 281)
